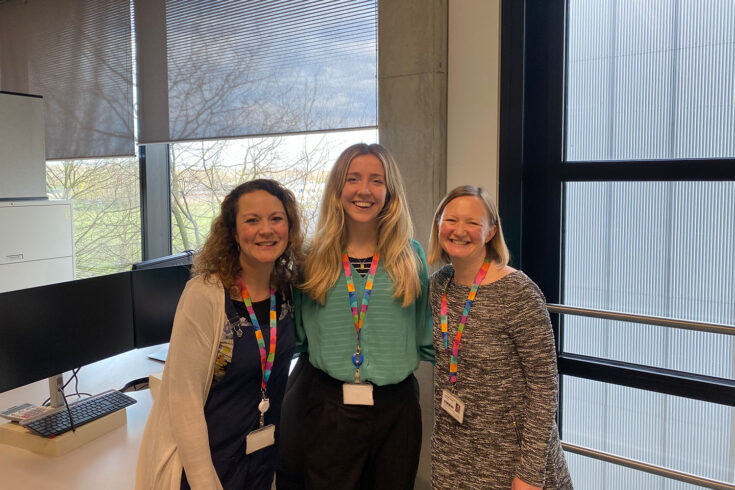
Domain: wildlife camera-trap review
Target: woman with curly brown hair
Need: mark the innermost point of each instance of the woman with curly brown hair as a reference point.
(215, 419)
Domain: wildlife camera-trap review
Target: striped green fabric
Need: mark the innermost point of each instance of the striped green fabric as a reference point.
(393, 339)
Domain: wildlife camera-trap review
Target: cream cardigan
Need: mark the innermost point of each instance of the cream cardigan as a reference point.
(175, 435)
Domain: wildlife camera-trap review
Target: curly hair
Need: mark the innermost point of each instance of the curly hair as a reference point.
(219, 257)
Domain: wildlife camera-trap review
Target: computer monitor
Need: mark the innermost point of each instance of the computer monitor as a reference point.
(156, 294)
(184, 258)
(48, 330)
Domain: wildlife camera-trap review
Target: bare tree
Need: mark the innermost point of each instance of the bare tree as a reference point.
(236, 99)
(106, 201)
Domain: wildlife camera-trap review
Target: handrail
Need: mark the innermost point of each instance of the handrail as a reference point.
(648, 468)
(649, 320)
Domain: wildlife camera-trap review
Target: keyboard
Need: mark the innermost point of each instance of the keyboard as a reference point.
(82, 412)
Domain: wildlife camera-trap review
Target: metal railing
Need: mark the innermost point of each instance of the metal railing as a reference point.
(645, 319)
(648, 320)
(648, 468)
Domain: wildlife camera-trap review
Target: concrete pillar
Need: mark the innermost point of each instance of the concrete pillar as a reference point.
(412, 110)
(412, 99)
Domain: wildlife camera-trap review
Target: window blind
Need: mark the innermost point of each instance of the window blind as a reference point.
(77, 54)
(223, 69)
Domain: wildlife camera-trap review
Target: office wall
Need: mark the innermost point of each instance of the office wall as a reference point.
(23, 155)
(412, 81)
(473, 94)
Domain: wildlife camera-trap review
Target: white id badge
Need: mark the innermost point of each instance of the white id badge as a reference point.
(453, 406)
(260, 438)
(357, 394)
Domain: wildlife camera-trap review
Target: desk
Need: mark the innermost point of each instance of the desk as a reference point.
(107, 462)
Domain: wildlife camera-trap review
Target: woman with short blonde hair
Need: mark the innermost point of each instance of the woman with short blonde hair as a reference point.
(495, 379)
(496, 248)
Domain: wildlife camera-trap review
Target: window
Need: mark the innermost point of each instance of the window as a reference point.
(627, 168)
(106, 210)
(233, 90)
(77, 54)
(246, 90)
(203, 173)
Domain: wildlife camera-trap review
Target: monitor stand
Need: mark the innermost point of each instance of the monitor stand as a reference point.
(18, 436)
(56, 390)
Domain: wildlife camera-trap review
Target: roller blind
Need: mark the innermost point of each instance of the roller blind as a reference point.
(77, 54)
(225, 69)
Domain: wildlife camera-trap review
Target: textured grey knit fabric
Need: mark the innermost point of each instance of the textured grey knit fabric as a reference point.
(507, 378)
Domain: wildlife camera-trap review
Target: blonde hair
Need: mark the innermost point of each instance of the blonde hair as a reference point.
(220, 255)
(323, 263)
(495, 249)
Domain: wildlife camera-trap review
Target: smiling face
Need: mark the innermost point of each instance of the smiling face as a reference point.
(261, 228)
(364, 191)
(464, 229)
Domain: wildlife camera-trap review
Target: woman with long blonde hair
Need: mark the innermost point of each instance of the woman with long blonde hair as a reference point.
(363, 317)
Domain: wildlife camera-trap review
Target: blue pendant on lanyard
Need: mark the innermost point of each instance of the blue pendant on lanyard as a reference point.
(357, 357)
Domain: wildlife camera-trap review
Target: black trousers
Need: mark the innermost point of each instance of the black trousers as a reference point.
(290, 469)
(354, 447)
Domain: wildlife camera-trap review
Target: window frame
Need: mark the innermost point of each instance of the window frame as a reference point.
(532, 174)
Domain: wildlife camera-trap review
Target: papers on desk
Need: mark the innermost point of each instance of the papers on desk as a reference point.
(23, 411)
(160, 354)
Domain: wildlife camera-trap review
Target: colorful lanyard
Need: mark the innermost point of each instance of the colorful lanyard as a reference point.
(443, 312)
(266, 363)
(357, 357)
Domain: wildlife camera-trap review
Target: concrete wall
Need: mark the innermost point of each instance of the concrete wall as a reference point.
(413, 38)
(412, 81)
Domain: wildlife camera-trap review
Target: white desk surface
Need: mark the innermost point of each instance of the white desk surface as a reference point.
(107, 462)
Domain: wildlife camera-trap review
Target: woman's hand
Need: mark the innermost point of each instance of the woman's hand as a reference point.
(519, 484)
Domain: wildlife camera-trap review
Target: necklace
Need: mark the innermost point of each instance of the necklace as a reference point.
(361, 264)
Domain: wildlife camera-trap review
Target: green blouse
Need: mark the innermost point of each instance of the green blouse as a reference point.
(393, 339)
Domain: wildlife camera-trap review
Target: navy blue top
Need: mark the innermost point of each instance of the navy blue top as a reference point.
(231, 409)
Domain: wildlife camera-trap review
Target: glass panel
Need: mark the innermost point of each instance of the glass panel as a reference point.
(653, 248)
(678, 433)
(683, 350)
(601, 475)
(202, 174)
(106, 196)
(650, 80)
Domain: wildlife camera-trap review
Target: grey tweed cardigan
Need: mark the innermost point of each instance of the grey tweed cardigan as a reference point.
(507, 378)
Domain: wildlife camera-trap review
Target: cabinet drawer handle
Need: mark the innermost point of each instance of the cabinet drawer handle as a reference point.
(14, 256)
